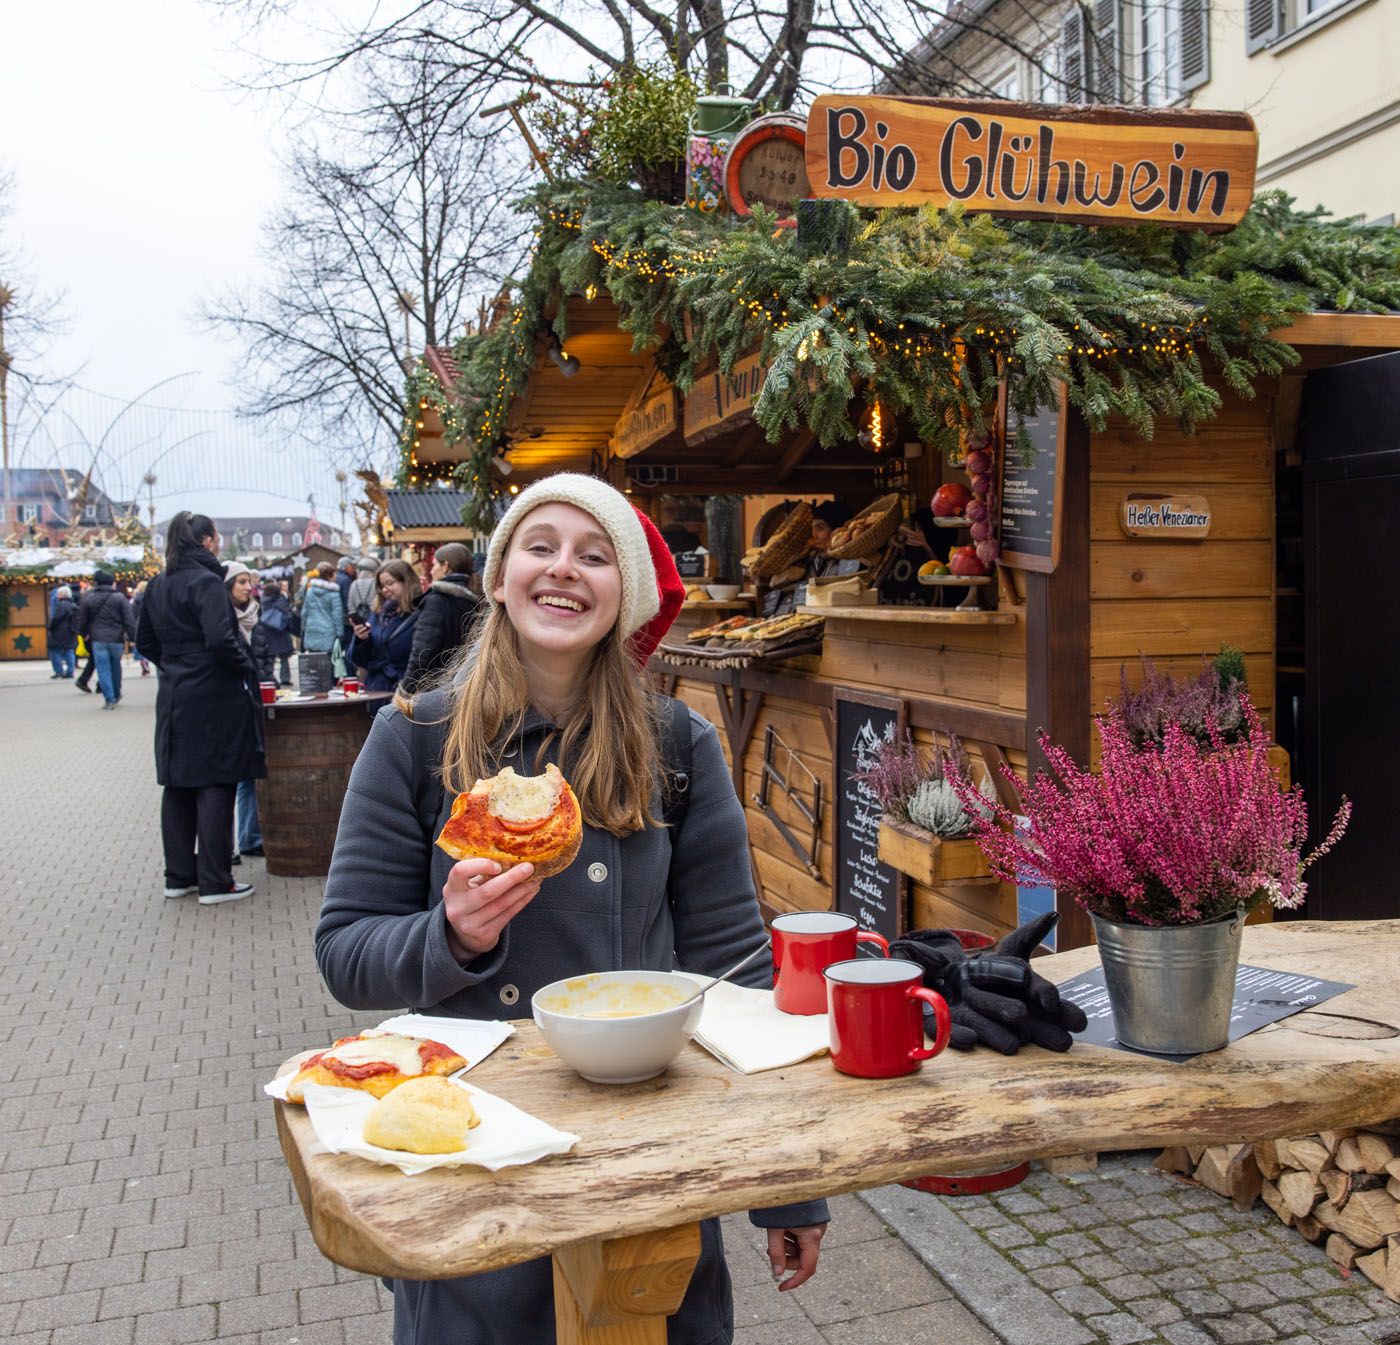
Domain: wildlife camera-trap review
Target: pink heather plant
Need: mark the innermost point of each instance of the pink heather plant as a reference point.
(1166, 836)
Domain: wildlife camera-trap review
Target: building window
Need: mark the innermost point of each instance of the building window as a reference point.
(1161, 52)
(1046, 74)
(257, 541)
(89, 513)
(1266, 21)
(1006, 85)
(296, 539)
(29, 513)
(277, 539)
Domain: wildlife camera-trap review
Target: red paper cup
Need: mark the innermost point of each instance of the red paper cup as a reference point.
(269, 692)
(877, 1019)
(805, 944)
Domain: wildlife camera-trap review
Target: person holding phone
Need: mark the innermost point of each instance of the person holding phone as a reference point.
(382, 640)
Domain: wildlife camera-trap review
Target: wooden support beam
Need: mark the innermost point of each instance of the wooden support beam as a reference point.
(1057, 639)
(620, 1291)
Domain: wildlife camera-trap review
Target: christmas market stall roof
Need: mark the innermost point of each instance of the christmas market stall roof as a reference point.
(918, 312)
(428, 515)
(44, 564)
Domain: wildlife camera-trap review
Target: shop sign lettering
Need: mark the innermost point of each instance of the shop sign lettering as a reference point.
(1185, 169)
(1182, 517)
(717, 401)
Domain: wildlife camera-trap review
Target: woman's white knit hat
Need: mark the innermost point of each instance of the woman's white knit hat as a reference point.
(233, 568)
(613, 510)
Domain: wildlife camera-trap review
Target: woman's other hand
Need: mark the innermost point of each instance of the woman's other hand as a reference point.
(361, 631)
(794, 1249)
(479, 900)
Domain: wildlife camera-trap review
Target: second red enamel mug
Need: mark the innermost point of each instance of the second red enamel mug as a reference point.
(876, 1012)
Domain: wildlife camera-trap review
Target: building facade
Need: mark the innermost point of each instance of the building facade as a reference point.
(262, 540)
(59, 506)
(1317, 76)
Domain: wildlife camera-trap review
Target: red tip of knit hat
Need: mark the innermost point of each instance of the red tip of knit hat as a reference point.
(669, 589)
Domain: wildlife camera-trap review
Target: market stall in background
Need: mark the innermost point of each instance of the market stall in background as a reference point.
(934, 472)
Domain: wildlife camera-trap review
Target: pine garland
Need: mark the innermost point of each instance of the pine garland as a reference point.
(926, 310)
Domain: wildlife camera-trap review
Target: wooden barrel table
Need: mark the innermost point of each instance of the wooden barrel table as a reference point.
(311, 746)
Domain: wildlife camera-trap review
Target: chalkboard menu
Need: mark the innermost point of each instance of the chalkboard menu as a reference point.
(690, 564)
(1030, 493)
(864, 887)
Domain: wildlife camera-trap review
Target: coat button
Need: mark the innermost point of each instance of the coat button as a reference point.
(597, 872)
(509, 995)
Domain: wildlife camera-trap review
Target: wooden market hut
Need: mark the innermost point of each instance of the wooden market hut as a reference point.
(1268, 578)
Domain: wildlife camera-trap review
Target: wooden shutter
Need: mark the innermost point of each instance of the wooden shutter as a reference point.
(1103, 59)
(1195, 44)
(1072, 56)
(1263, 22)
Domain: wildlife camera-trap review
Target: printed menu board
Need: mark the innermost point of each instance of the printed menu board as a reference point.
(865, 888)
(1030, 491)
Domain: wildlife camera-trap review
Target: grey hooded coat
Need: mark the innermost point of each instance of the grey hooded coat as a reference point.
(654, 899)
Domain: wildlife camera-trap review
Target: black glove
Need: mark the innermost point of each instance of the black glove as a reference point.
(993, 996)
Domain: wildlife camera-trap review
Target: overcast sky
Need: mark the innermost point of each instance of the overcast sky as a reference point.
(141, 178)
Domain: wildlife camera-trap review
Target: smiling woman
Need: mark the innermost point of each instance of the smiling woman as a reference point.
(579, 588)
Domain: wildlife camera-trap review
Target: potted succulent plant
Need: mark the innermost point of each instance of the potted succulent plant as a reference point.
(926, 826)
(1168, 847)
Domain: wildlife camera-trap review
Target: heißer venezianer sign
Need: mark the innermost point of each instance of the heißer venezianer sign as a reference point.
(1190, 170)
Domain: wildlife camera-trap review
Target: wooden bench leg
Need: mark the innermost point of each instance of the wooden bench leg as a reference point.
(620, 1291)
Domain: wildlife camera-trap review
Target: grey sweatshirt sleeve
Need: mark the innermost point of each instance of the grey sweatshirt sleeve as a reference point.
(716, 913)
(381, 942)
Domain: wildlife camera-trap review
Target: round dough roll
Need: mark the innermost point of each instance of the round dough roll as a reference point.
(428, 1115)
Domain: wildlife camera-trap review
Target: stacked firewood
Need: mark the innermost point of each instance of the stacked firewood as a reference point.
(1338, 1188)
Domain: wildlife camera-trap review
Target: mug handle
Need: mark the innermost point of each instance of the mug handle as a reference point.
(869, 936)
(940, 1014)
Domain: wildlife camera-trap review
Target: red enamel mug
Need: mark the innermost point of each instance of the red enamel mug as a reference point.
(877, 1018)
(269, 692)
(350, 686)
(805, 944)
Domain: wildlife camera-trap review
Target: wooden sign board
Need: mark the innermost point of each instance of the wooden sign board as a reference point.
(1177, 517)
(1190, 170)
(718, 402)
(864, 886)
(650, 415)
(1031, 495)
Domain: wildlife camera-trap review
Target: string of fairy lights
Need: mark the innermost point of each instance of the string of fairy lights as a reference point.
(908, 342)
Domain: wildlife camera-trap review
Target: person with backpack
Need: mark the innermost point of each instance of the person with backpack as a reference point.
(279, 624)
(63, 633)
(579, 591)
(105, 622)
(445, 616)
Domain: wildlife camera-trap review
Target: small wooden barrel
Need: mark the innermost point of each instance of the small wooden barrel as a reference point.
(766, 163)
(311, 746)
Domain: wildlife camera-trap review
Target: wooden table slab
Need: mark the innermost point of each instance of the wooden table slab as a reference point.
(702, 1140)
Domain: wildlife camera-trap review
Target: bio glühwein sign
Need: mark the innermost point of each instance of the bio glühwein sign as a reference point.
(1192, 170)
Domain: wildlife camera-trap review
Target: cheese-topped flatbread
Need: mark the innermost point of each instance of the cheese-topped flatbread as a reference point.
(377, 1062)
(515, 819)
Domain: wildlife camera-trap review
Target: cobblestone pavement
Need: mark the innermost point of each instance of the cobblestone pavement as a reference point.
(144, 1200)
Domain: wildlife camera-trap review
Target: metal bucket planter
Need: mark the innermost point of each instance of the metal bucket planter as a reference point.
(1171, 986)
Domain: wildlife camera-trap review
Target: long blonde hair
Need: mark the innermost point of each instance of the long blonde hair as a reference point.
(608, 751)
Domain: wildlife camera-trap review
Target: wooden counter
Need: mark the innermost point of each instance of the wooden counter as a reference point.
(702, 1140)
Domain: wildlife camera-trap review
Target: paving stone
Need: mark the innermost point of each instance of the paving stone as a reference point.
(1342, 1308)
(1155, 1312)
(1240, 1329)
(852, 1279)
(1120, 1328)
(1082, 1300)
(931, 1322)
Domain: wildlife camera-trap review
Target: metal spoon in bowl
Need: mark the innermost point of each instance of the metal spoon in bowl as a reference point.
(724, 976)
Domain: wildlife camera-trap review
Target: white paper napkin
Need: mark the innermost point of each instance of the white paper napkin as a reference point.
(472, 1038)
(506, 1137)
(746, 1030)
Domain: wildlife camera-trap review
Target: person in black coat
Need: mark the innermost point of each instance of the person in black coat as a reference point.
(278, 625)
(105, 622)
(208, 725)
(445, 616)
(63, 633)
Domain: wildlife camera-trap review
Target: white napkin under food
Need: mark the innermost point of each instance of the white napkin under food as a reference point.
(472, 1038)
(506, 1137)
(746, 1030)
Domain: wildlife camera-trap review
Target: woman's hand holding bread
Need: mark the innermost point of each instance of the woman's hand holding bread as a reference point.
(479, 899)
